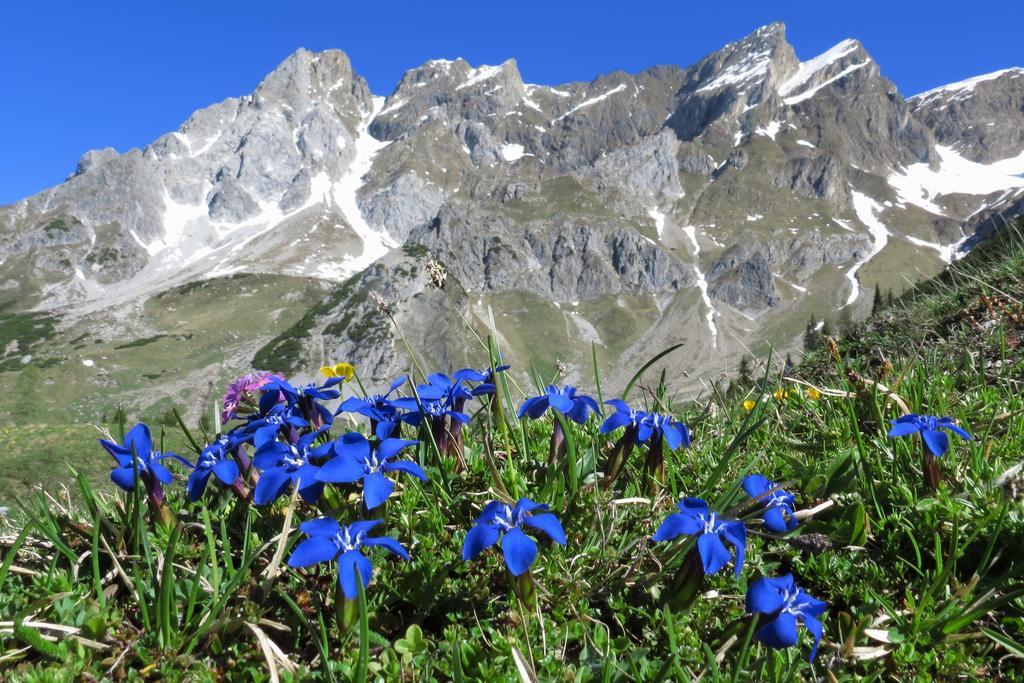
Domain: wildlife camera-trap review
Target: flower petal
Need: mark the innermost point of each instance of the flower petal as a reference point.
(226, 471)
(321, 526)
(123, 477)
(353, 445)
(713, 554)
(549, 524)
(197, 484)
(776, 522)
(736, 533)
(676, 525)
(388, 544)
(615, 421)
(389, 448)
(952, 426)
(756, 485)
(815, 627)
(349, 564)
(533, 407)
(312, 550)
(765, 594)
(343, 469)
(161, 473)
(138, 437)
(376, 489)
(407, 466)
(272, 484)
(779, 632)
(937, 442)
(479, 538)
(904, 428)
(693, 506)
(520, 551)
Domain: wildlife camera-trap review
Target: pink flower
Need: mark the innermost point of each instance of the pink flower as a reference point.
(242, 395)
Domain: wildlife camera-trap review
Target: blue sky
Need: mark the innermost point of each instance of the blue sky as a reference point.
(80, 75)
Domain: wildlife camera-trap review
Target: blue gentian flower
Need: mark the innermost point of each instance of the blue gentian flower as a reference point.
(931, 430)
(358, 460)
(787, 605)
(499, 521)
(657, 427)
(624, 416)
(441, 397)
(305, 400)
(779, 505)
(329, 541)
(562, 399)
(215, 459)
(283, 464)
(484, 378)
(377, 407)
(627, 417)
(694, 519)
(440, 403)
(152, 473)
(280, 417)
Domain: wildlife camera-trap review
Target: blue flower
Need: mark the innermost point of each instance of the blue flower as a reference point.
(484, 378)
(499, 521)
(283, 464)
(215, 459)
(624, 416)
(357, 460)
(329, 541)
(280, 417)
(694, 519)
(778, 504)
(151, 471)
(562, 399)
(656, 427)
(930, 428)
(377, 407)
(787, 605)
(305, 401)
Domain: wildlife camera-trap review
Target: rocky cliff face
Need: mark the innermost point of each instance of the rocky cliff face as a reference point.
(980, 117)
(722, 203)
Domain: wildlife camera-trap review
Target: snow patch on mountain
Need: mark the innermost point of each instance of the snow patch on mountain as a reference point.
(965, 88)
(702, 285)
(807, 69)
(771, 130)
(867, 210)
(481, 74)
(513, 152)
(593, 100)
(918, 184)
(659, 220)
(376, 243)
(752, 65)
(807, 94)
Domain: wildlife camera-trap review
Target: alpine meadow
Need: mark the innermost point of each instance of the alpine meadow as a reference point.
(696, 373)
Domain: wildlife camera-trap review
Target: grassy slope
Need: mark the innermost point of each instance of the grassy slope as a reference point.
(915, 582)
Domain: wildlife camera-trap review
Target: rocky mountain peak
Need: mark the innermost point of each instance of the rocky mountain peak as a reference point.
(981, 117)
(632, 210)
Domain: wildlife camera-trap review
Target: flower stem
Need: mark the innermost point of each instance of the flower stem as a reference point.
(930, 468)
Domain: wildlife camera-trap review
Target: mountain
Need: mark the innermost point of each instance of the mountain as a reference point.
(721, 205)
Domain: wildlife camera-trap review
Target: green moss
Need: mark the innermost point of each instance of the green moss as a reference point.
(416, 250)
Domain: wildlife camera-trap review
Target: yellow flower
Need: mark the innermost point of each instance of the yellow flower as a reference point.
(343, 370)
(781, 394)
(749, 404)
(813, 394)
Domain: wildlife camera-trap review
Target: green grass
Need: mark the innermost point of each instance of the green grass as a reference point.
(921, 585)
(197, 337)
